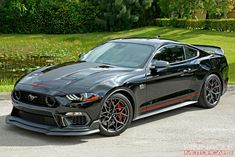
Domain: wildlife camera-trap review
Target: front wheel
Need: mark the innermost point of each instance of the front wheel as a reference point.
(211, 92)
(116, 115)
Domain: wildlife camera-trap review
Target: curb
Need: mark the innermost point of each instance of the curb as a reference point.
(231, 87)
(7, 95)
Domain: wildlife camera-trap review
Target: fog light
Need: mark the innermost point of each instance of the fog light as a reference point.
(17, 95)
(50, 101)
(73, 114)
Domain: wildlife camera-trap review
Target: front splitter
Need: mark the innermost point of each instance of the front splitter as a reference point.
(52, 130)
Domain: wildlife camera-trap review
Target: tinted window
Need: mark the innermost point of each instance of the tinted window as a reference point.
(171, 54)
(120, 54)
(190, 53)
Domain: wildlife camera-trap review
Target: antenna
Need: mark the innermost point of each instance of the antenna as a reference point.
(158, 36)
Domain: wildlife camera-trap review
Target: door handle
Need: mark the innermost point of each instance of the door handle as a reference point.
(187, 70)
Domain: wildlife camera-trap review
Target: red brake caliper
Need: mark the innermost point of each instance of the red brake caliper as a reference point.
(119, 106)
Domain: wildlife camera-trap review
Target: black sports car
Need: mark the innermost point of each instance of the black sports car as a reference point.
(116, 83)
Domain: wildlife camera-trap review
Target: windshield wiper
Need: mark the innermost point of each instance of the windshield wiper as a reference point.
(80, 61)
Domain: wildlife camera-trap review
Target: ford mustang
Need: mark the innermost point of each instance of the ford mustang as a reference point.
(118, 82)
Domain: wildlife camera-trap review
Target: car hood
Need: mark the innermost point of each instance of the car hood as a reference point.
(67, 76)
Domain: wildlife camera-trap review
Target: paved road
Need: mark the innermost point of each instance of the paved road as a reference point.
(166, 134)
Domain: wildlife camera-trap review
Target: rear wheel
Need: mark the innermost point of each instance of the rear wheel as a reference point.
(116, 115)
(211, 92)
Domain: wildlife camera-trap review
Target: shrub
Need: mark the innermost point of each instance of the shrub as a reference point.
(54, 16)
(225, 25)
(74, 16)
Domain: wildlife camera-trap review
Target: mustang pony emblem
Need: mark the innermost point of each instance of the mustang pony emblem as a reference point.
(32, 97)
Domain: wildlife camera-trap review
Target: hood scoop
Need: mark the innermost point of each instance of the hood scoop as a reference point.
(104, 66)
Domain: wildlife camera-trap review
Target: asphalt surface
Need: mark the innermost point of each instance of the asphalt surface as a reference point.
(167, 134)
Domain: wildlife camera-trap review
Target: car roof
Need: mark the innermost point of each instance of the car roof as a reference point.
(148, 41)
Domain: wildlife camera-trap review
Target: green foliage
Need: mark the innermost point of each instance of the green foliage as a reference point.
(189, 8)
(223, 25)
(117, 15)
(6, 88)
(66, 17)
(79, 16)
(217, 8)
(54, 16)
(74, 16)
(179, 8)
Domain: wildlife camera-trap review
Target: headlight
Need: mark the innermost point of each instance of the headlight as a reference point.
(84, 97)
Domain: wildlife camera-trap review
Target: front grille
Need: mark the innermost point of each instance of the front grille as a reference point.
(33, 98)
(39, 100)
(35, 118)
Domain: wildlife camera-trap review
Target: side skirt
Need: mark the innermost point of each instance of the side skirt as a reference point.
(165, 109)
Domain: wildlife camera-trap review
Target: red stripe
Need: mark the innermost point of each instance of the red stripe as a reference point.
(170, 102)
(38, 84)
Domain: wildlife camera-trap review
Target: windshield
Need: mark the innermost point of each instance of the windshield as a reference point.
(120, 54)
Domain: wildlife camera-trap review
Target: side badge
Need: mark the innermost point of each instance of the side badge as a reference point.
(142, 86)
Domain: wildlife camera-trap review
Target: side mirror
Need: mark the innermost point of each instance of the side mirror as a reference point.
(81, 56)
(156, 64)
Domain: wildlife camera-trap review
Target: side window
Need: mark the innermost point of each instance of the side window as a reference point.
(171, 54)
(190, 52)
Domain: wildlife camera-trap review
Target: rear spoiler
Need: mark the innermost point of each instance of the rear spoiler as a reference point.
(210, 49)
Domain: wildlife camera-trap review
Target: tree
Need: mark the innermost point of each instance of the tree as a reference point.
(122, 14)
(217, 8)
(179, 8)
(188, 8)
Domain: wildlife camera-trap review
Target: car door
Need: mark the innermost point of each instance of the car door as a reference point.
(192, 68)
(170, 84)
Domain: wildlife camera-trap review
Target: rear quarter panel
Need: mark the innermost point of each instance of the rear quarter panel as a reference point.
(211, 64)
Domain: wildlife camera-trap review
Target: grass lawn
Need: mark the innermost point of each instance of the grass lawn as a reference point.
(6, 88)
(68, 47)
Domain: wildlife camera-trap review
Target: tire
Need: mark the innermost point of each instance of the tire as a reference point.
(211, 92)
(116, 115)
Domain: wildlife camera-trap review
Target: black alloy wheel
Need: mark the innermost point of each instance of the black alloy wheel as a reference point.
(211, 92)
(116, 115)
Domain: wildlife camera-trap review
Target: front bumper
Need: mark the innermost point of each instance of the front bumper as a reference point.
(50, 130)
(54, 126)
